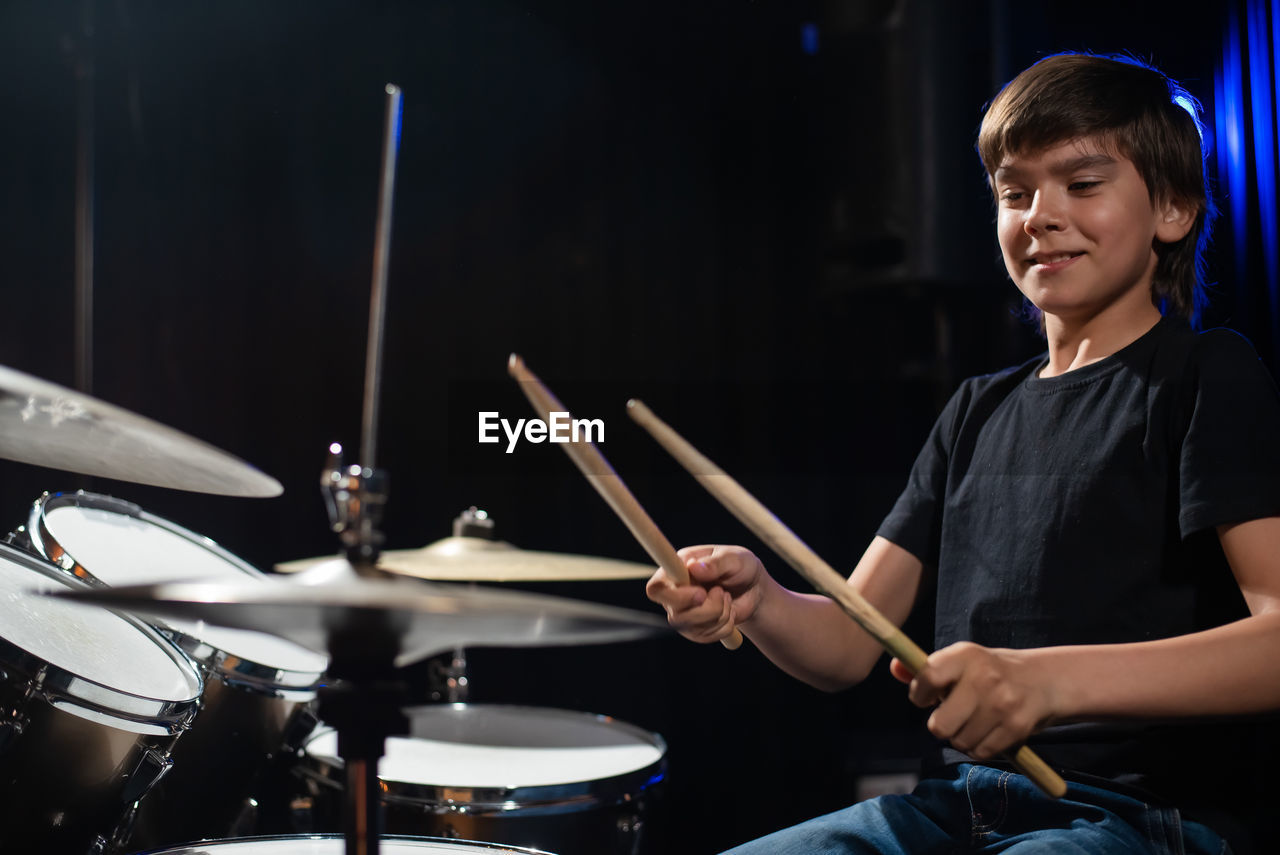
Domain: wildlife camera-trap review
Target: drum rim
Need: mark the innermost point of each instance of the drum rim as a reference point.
(61, 686)
(478, 845)
(522, 798)
(40, 533)
(238, 671)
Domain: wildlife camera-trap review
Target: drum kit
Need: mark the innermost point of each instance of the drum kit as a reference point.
(158, 691)
(155, 689)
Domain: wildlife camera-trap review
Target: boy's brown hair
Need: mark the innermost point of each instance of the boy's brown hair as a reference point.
(1148, 118)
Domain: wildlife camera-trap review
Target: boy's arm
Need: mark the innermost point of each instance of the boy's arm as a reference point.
(811, 638)
(807, 635)
(992, 699)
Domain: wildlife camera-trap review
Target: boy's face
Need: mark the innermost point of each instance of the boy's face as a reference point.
(1077, 228)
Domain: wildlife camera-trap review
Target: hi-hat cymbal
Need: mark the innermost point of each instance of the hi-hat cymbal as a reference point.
(425, 618)
(478, 559)
(48, 425)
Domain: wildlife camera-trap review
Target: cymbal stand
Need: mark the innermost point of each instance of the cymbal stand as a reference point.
(84, 60)
(365, 694)
(363, 700)
(450, 681)
(354, 497)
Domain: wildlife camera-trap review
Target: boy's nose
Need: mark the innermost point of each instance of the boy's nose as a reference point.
(1044, 214)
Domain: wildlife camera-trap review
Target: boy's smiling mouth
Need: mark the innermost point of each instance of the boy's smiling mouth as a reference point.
(1052, 260)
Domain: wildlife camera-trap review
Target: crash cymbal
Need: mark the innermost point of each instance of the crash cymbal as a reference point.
(478, 559)
(425, 618)
(47, 425)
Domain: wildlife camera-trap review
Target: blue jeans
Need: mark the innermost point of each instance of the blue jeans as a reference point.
(982, 809)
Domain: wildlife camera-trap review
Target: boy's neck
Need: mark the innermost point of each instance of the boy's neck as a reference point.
(1075, 344)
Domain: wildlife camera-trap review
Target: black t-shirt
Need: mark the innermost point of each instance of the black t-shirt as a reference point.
(1080, 509)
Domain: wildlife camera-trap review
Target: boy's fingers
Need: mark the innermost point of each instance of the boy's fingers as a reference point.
(951, 717)
(942, 670)
(704, 618)
(695, 552)
(681, 598)
(720, 564)
(900, 671)
(926, 689)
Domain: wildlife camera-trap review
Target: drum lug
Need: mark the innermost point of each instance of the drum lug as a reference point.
(447, 677)
(9, 733)
(301, 724)
(630, 831)
(19, 538)
(153, 766)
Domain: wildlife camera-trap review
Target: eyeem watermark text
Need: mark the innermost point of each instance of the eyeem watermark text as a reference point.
(558, 428)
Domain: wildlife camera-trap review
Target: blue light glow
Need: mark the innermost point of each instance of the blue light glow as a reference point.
(1264, 145)
(809, 38)
(1229, 118)
(1246, 89)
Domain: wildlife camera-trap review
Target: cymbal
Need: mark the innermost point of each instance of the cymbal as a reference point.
(425, 618)
(478, 559)
(48, 425)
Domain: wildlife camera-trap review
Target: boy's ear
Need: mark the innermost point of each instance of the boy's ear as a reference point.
(1176, 219)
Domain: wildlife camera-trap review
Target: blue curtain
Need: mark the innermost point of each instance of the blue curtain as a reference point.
(1247, 161)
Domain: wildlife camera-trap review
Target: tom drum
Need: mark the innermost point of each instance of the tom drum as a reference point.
(570, 782)
(92, 705)
(256, 685)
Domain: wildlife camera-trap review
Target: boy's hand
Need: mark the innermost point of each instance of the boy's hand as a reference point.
(988, 700)
(723, 591)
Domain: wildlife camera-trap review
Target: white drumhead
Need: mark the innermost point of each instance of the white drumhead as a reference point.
(508, 747)
(89, 642)
(330, 845)
(125, 550)
(122, 550)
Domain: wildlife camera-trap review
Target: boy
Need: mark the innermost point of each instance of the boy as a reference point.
(1101, 524)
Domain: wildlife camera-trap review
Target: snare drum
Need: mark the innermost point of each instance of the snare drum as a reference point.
(331, 844)
(571, 782)
(91, 706)
(255, 684)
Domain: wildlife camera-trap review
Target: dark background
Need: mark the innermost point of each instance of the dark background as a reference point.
(786, 252)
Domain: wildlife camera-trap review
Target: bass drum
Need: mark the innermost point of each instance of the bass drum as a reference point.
(330, 844)
(92, 704)
(257, 686)
(570, 782)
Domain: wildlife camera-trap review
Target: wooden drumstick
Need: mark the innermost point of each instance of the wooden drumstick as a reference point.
(609, 485)
(806, 562)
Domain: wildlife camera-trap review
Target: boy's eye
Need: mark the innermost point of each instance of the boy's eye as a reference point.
(1082, 185)
(1011, 196)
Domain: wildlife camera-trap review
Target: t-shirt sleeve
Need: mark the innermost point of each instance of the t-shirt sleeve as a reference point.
(915, 522)
(1229, 461)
